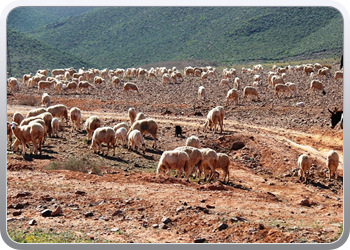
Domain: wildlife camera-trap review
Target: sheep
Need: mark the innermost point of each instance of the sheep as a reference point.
(195, 159)
(56, 72)
(146, 126)
(332, 164)
(45, 100)
(60, 87)
(188, 71)
(103, 134)
(47, 117)
(237, 82)
(140, 116)
(304, 164)
(316, 84)
(26, 77)
(166, 79)
(175, 159)
(201, 93)
(98, 80)
(130, 86)
(72, 85)
(338, 75)
(55, 124)
(232, 94)
(249, 90)
(29, 133)
(45, 85)
(275, 80)
(12, 83)
(43, 71)
(210, 159)
(59, 110)
(256, 78)
(293, 87)
(213, 117)
(132, 115)
(121, 125)
(75, 117)
(9, 132)
(193, 141)
(17, 117)
(224, 82)
(84, 85)
(282, 88)
(135, 140)
(223, 163)
(116, 80)
(307, 70)
(204, 76)
(91, 124)
(35, 112)
(121, 134)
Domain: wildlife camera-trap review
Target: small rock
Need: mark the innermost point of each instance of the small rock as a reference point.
(199, 240)
(163, 226)
(166, 220)
(222, 226)
(305, 202)
(210, 206)
(89, 214)
(57, 211)
(23, 194)
(115, 229)
(32, 222)
(179, 209)
(18, 206)
(80, 192)
(155, 225)
(11, 219)
(202, 201)
(117, 212)
(46, 213)
(16, 213)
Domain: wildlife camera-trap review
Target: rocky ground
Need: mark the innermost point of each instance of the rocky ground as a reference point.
(121, 199)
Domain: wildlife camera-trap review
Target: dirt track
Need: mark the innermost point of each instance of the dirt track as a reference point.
(261, 202)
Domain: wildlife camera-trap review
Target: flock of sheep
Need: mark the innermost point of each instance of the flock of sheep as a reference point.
(189, 159)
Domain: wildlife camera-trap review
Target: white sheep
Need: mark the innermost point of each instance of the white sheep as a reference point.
(237, 82)
(45, 100)
(338, 75)
(316, 84)
(275, 79)
(17, 117)
(135, 140)
(121, 125)
(132, 115)
(84, 85)
(214, 117)
(55, 124)
(304, 164)
(332, 164)
(29, 133)
(130, 86)
(293, 87)
(35, 112)
(210, 159)
(201, 93)
(224, 82)
(59, 111)
(12, 83)
(193, 141)
(223, 164)
(121, 134)
(75, 117)
(176, 159)
(140, 116)
(146, 126)
(45, 84)
(91, 124)
(232, 94)
(106, 135)
(282, 88)
(195, 159)
(249, 90)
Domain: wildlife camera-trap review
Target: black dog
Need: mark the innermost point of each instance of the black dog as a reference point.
(178, 131)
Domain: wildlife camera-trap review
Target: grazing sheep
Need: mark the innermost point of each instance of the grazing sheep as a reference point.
(249, 90)
(60, 87)
(116, 80)
(176, 159)
(195, 159)
(232, 94)
(223, 164)
(59, 111)
(193, 141)
(72, 85)
(210, 159)
(178, 131)
(35, 112)
(132, 115)
(214, 117)
(121, 134)
(304, 164)
(332, 164)
(75, 117)
(130, 86)
(316, 84)
(237, 82)
(29, 133)
(307, 70)
(55, 124)
(84, 85)
(282, 88)
(47, 117)
(98, 80)
(147, 126)
(17, 117)
(26, 77)
(275, 80)
(135, 140)
(45, 100)
(106, 135)
(140, 116)
(91, 124)
(121, 125)
(224, 82)
(293, 87)
(166, 78)
(338, 75)
(201, 93)
(45, 85)
(12, 83)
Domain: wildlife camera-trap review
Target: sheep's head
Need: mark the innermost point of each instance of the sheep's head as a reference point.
(13, 125)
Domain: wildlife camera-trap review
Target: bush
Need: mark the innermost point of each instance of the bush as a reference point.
(80, 164)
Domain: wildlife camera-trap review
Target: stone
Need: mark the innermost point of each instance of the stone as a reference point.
(57, 211)
(46, 213)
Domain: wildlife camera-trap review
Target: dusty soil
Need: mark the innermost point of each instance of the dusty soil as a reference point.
(121, 199)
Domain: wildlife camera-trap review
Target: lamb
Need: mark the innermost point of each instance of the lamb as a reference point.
(17, 117)
(193, 141)
(45, 100)
(91, 124)
(103, 134)
(12, 83)
(121, 125)
(130, 86)
(121, 134)
(282, 88)
(232, 94)
(59, 87)
(146, 126)
(332, 164)
(249, 90)
(176, 159)
(29, 133)
(55, 124)
(35, 112)
(304, 164)
(45, 85)
(132, 115)
(75, 117)
(316, 84)
(59, 110)
(135, 140)
(201, 93)
(213, 117)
